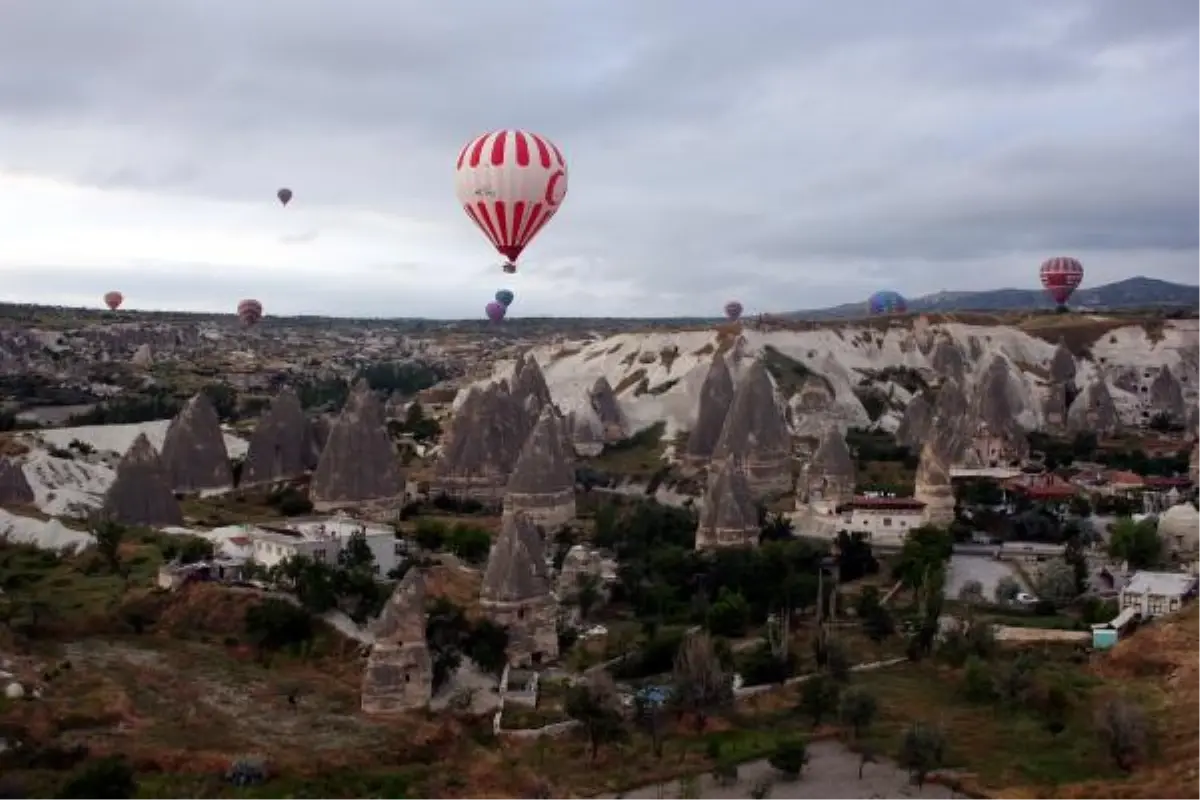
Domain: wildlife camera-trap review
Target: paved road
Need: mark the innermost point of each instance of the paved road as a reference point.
(986, 570)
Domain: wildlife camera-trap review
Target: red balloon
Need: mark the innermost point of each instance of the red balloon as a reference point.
(249, 311)
(495, 311)
(1060, 277)
(113, 300)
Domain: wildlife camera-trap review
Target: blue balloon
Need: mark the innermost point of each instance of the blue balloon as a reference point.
(887, 302)
(504, 297)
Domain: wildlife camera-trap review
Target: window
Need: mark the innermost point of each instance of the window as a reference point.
(375, 569)
(1157, 604)
(887, 522)
(319, 554)
(399, 550)
(520, 613)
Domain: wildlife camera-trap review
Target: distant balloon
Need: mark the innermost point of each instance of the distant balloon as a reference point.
(249, 312)
(733, 310)
(510, 183)
(504, 297)
(495, 311)
(1060, 277)
(284, 195)
(113, 300)
(887, 302)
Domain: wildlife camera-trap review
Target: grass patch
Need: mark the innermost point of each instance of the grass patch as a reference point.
(639, 455)
(789, 374)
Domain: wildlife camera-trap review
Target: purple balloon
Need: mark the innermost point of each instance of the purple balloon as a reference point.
(494, 311)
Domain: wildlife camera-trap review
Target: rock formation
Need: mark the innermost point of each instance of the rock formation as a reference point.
(814, 407)
(998, 440)
(944, 446)
(728, 517)
(1062, 365)
(529, 387)
(359, 462)
(1054, 409)
(830, 476)
(142, 357)
(516, 592)
(604, 402)
(1166, 397)
(914, 425)
(756, 435)
(193, 450)
(586, 438)
(399, 672)
(948, 361)
(1194, 465)
(542, 484)
(140, 493)
(14, 486)
(1094, 410)
(716, 396)
(485, 439)
(283, 445)
(582, 564)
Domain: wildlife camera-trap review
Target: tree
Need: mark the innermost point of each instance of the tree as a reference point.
(1056, 582)
(818, 697)
(1007, 589)
(1135, 542)
(487, 646)
(729, 615)
(971, 593)
(700, 684)
(858, 709)
(587, 593)
(854, 557)
(356, 553)
(922, 751)
(775, 528)
(108, 778)
(878, 624)
(790, 757)
(1123, 728)
(924, 548)
(109, 535)
(596, 705)
(1075, 555)
(275, 624)
(469, 543)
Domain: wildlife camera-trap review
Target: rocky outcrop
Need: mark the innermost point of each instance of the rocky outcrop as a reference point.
(814, 407)
(1166, 397)
(542, 484)
(947, 441)
(830, 476)
(914, 424)
(1094, 411)
(14, 486)
(997, 440)
(603, 401)
(515, 592)
(140, 494)
(1062, 365)
(1194, 465)
(580, 566)
(359, 462)
(586, 437)
(485, 439)
(1054, 409)
(728, 516)
(948, 361)
(716, 397)
(193, 450)
(283, 445)
(142, 358)
(399, 672)
(529, 387)
(756, 435)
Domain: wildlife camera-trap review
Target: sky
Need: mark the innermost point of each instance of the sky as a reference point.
(790, 155)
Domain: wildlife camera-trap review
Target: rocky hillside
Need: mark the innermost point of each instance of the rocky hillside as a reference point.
(866, 374)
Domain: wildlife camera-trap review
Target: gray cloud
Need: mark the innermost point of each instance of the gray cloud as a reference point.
(794, 154)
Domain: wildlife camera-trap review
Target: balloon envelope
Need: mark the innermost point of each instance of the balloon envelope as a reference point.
(1060, 277)
(504, 297)
(249, 311)
(887, 302)
(733, 310)
(284, 195)
(494, 311)
(113, 300)
(510, 183)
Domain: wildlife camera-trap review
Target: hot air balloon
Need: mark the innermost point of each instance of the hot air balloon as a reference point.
(1060, 277)
(733, 310)
(113, 300)
(504, 297)
(284, 195)
(249, 312)
(510, 183)
(495, 311)
(887, 302)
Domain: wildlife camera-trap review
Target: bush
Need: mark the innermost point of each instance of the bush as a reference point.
(106, 778)
(275, 624)
(469, 543)
(978, 686)
(789, 757)
(247, 771)
(290, 501)
(431, 534)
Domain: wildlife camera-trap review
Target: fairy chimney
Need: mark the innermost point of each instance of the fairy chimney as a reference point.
(756, 434)
(603, 401)
(542, 484)
(529, 387)
(283, 445)
(1054, 408)
(515, 592)
(140, 493)
(1062, 365)
(14, 486)
(948, 361)
(948, 439)
(716, 396)
(728, 516)
(586, 436)
(193, 450)
(359, 462)
(1166, 397)
(485, 439)
(914, 424)
(998, 440)
(1094, 410)
(830, 476)
(399, 672)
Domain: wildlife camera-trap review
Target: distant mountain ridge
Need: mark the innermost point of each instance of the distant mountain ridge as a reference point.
(1131, 293)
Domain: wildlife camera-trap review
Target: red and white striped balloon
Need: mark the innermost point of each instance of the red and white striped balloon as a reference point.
(510, 183)
(249, 311)
(1060, 276)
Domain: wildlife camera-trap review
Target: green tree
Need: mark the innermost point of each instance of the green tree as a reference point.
(1135, 542)
(858, 709)
(275, 624)
(1007, 589)
(108, 778)
(922, 751)
(729, 615)
(596, 705)
(109, 535)
(356, 553)
(790, 757)
(1056, 582)
(700, 684)
(818, 698)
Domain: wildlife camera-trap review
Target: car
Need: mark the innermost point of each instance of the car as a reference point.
(1025, 598)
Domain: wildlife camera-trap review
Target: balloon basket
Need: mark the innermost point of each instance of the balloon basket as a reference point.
(509, 268)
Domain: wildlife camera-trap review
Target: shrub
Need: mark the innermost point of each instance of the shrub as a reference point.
(275, 624)
(247, 771)
(789, 757)
(106, 778)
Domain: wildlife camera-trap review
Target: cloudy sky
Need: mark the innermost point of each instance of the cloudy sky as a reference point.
(790, 154)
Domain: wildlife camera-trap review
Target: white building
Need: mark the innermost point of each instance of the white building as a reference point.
(885, 521)
(1153, 594)
(323, 540)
